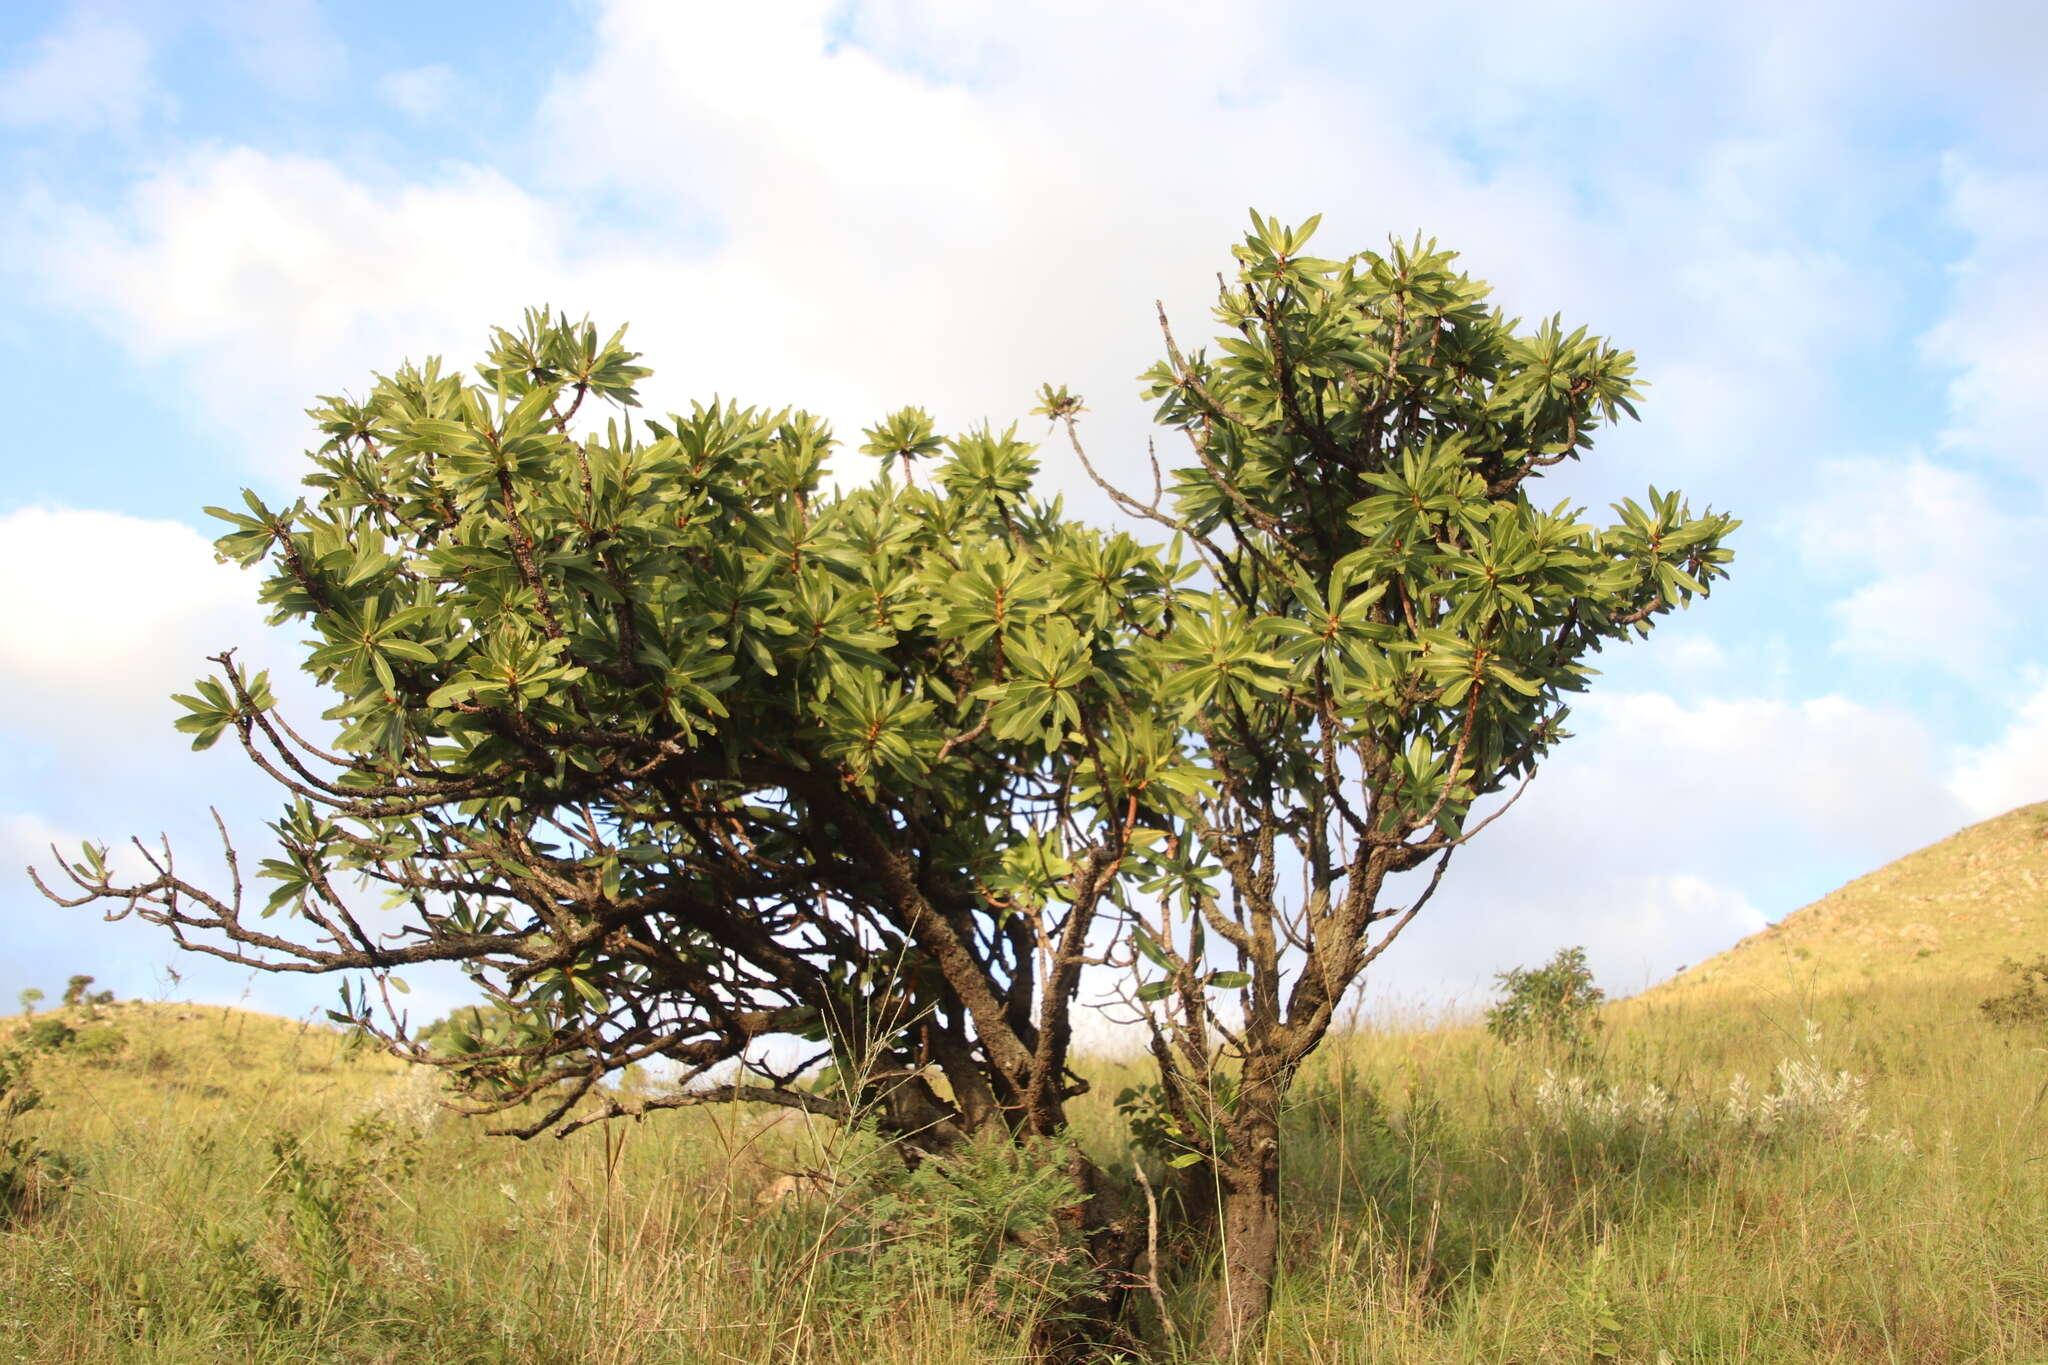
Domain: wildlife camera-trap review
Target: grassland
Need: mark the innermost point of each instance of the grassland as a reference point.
(250, 1189)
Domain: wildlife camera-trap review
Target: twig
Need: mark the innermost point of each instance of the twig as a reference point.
(1152, 1251)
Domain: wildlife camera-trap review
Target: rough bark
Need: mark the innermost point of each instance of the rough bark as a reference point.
(1249, 1174)
(1113, 1233)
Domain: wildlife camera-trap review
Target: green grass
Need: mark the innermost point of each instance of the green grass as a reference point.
(1437, 1210)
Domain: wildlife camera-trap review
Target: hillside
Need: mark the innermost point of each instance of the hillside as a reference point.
(213, 1185)
(1952, 911)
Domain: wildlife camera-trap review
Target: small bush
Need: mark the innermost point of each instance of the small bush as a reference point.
(48, 1035)
(986, 1225)
(1808, 1099)
(2026, 1004)
(30, 1174)
(98, 1044)
(1556, 1002)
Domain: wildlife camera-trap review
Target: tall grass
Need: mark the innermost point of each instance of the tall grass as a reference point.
(252, 1191)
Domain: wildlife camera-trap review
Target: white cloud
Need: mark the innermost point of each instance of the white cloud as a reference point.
(2011, 770)
(948, 208)
(1723, 781)
(109, 615)
(1637, 929)
(1929, 549)
(274, 278)
(1669, 828)
(89, 72)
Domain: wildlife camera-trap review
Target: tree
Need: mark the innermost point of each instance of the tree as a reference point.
(675, 750)
(1389, 630)
(1556, 1003)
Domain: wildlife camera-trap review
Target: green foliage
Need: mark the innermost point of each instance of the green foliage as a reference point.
(326, 1208)
(1391, 624)
(48, 1035)
(30, 998)
(990, 1224)
(674, 743)
(1556, 1003)
(649, 715)
(1175, 1134)
(79, 996)
(238, 1281)
(99, 1044)
(2026, 1003)
(31, 1175)
(314, 1199)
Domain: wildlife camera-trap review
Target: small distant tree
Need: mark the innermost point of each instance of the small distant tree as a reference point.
(1556, 1002)
(30, 998)
(79, 995)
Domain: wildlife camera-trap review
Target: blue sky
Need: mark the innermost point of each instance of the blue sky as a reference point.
(1821, 227)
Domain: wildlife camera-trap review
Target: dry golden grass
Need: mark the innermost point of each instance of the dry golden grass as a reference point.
(1449, 1199)
(1952, 912)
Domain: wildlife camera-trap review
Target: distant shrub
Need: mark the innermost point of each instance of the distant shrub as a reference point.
(1556, 1002)
(48, 1035)
(98, 1044)
(2027, 1002)
(30, 998)
(30, 1174)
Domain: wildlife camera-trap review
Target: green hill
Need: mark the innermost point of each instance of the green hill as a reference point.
(1953, 911)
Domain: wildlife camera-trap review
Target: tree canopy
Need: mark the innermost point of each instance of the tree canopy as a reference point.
(675, 747)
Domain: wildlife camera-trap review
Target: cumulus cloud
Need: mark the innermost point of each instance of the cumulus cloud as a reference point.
(1636, 929)
(2011, 770)
(278, 277)
(938, 204)
(87, 73)
(1927, 550)
(110, 614)
(1668, 828)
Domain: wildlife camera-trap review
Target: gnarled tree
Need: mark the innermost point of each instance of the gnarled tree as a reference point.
(676, 751)
(1390, 629)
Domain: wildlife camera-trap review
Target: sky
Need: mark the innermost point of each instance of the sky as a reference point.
(1822, 228)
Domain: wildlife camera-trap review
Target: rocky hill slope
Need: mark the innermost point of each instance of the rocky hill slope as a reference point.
(1952, 911)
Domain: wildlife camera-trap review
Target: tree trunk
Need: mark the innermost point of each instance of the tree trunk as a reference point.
(1112, 1237)
(1250, 1180)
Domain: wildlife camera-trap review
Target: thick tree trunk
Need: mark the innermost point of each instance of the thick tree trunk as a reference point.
(1250, 1180)
(1113, 1235)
